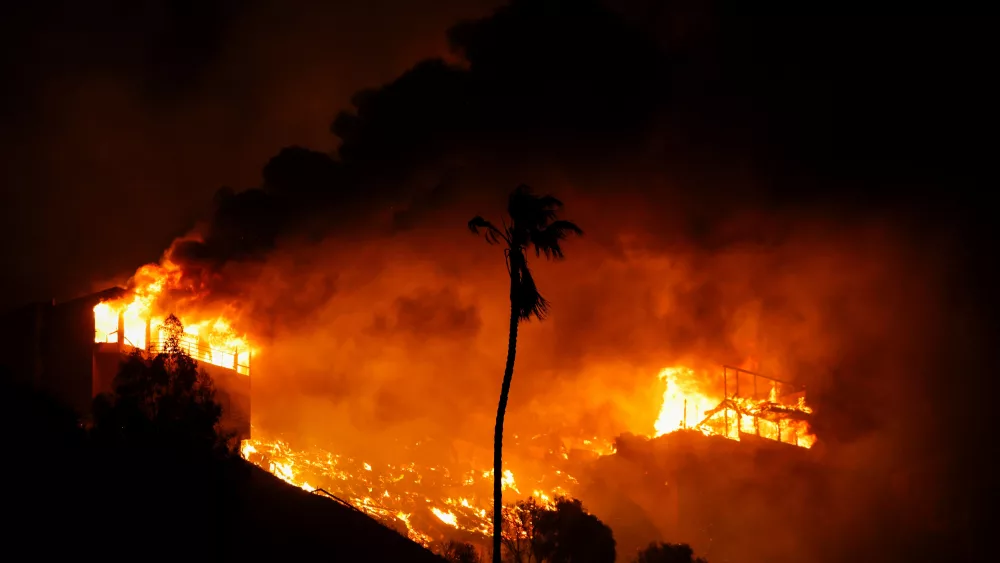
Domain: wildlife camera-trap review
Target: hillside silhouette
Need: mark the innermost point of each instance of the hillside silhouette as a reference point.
(80, 494)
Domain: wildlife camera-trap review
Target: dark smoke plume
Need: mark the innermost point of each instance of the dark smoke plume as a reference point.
(794, 188)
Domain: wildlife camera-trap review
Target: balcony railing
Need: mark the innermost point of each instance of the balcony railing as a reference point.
(235, 360)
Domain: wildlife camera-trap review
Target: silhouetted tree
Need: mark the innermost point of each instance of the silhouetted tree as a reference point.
(519, 531)
(532, 223)
(569, 534)
(668, 553)
(158, 402)
(459, 552)
(565, 533)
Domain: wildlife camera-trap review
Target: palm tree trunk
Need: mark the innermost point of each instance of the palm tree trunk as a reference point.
(508, 374)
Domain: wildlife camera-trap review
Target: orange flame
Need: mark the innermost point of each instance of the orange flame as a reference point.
(136, 321)
(687, 404)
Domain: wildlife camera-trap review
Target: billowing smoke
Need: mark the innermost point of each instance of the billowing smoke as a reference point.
(743, 185)
(708, 242)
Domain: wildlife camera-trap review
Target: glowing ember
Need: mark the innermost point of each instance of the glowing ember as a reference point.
(446, 517)
(425, 501)
(428, 501)
(136, 321)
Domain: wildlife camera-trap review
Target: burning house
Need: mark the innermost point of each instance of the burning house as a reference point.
(72, 350)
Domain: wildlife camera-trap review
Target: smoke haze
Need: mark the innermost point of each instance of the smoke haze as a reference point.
(780, 197)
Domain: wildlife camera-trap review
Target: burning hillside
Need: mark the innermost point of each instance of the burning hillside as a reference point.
(427, 500)
(408, 489)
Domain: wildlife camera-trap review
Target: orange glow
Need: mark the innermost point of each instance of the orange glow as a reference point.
(431, 500)
(141, 312)
(427, 500)
(463, 500)
(683, 403)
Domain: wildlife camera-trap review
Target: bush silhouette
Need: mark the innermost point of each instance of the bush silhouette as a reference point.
(518, 537)
(459, 552)
(162, 403)
(668, 553)
(565, 533)
(569, 534)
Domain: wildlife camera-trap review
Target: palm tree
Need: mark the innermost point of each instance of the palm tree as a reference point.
(532, 223)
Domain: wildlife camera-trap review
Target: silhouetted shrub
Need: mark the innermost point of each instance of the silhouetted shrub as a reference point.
(566, 533)
(668, 553)
(459, 552)
(569, 534)
(162, 403)
(518, 535)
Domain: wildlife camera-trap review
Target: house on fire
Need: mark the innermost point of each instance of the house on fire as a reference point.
(55, 348)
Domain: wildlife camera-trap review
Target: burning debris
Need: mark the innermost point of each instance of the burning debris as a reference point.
(781, 416)
(431, 503)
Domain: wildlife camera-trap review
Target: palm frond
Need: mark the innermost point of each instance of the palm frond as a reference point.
(530, 211)
(530, 302)
(533, 222)
(491, 233)
(547, 241)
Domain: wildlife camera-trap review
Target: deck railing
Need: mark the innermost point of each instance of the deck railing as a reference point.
(233, 359)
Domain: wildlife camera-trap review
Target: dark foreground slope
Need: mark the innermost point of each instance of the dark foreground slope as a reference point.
(64, 498)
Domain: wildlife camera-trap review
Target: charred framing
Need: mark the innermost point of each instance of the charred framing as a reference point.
(745, 414)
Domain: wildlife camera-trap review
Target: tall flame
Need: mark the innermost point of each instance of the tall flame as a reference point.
(136, 320)
(683, 403)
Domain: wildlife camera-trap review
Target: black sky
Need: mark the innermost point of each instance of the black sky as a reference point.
(121, 119)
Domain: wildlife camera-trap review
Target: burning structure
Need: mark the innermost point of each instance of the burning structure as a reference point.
(73, 350)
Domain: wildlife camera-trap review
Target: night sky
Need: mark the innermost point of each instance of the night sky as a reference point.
(118, 113)
(121, 120)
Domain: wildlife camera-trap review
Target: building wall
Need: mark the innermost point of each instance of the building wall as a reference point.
(51, 346)
(68, 348)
